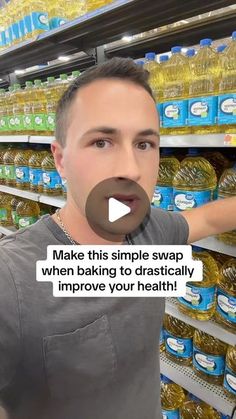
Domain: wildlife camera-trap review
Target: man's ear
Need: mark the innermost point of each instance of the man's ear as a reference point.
(57, 151)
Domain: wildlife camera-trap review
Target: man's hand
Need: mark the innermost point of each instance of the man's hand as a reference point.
(210, 219)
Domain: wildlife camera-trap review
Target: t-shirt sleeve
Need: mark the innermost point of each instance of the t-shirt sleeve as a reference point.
(164, 227)
(9, 327)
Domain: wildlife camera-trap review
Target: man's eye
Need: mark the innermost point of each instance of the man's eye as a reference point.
(100, 143)
(144, 145)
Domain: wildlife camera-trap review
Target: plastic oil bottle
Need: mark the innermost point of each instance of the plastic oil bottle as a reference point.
(27, 213)
(18, 109)
(194, 183)
(39, 108)
(62, 85)
(197, 410)
(227, 189)
(8, 160)
(230, 372)
(163, 194)
(178, 340)
(14, 202)
(36, 171)
(10, 97)
(74, 75)
(75, 8)
(172, 398)
(21, 162)
(28, 108)
(217, 160)
(209, 357)
(2, 165)
(51, 178)
(5, 209)
(162, 341)
(200, 299)
(152, 66)
(56, 14)
(227, 88)
(3, 127)
(35, 18)
(226, 296)
(204, 86)
(51, 97)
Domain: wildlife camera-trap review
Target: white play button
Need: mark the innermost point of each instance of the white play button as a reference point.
(116, 210)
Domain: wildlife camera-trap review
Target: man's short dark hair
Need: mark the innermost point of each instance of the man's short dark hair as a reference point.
(115, 68)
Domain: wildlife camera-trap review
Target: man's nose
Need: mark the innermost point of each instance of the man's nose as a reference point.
(127, 165)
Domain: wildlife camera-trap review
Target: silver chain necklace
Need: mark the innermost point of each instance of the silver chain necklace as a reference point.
(129, 241)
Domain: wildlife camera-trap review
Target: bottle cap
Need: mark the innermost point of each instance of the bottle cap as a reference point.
(205, 42)
(176, 50)
(193, 152)
(166, 151)
(76, 73)
(63, 76)
(140, 63)
(191, 52)
(221, 48)
(151, 56)
(50, 79)
(28, 83)
(197, 249)
(164, 58)
(37, 82)
(234, 35)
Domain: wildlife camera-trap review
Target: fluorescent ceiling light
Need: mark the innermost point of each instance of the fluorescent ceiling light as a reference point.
(1, 79)
(19, 71)
(127, 38)
(64, 58)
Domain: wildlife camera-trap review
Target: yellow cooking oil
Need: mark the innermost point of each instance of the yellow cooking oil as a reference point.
(96, 4)
(56, 14)
(154, 70)
(218, 160)
(5, 209)
(21, 162)
(27, 213)
(51, 104)
(36, 171)
(18, 109)
(28, 97)
(9, 163)
(199, 301)
(39, 108)
(178, 340)
(172, 398)
(227, 189)
(3, 126)
(45, 209)
(163, 193)
(2, 165)
(162, 341)
(14, 202)
(51, 178)
(35, 18)
(62, 85)
(75, 8)
(209, 357)
(226, 296)
(230, 373)
(194, 183)
(10, 100)
(198, 410)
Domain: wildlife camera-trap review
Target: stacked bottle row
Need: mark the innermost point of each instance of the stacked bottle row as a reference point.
(31, 110)
(31, 169)
(23, 20)
(195, 180)
(177, 403)
(20, 212)
(195, 93)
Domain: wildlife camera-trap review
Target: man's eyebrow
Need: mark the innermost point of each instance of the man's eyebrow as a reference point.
(148, 132)
(110, 130)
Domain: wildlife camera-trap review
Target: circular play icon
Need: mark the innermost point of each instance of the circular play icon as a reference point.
(116, 207)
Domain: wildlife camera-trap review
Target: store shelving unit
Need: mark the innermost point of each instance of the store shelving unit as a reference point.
(211, 243)
(55, 201)
(186, 377)
(7, 230)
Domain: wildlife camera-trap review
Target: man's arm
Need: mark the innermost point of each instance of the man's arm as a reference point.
(210, 219)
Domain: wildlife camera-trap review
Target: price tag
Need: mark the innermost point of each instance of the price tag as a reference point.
(230, 139)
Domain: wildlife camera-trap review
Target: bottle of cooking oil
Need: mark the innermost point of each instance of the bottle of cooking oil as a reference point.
(8, 160)
(152, 66)
(217, 160)
(95, 4)
(227, 88)
(51, 97)
(36, 18)
(10, 98)
(194, 183)
(226, 296)
(172, 398)
(51, 178)
(226, 189)
(28, 108)
(3, 128)
(200, 299)
(18, 109)
(163, 194)
(21, 162)
(39, 108)
(162, 340)
(62, 85)
(2, 165)
(230, 372)
(5, 209)
(14, 202)
(27, 213)
(209, 357)
(197, 410)
(36, 171)
(203, 87)
(56, 14)
(75, 8)
(45, 209)
(74, 75)
(178, 340)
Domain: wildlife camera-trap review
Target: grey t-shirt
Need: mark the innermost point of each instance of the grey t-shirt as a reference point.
(77, 358)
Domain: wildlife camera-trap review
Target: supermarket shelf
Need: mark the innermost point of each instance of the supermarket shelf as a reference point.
(7, 230)
(204, 140)
(14, 139)
(186, 377)
(57, 201)
(211, 243)
(210, 327)
(40, 139)
(116, 19)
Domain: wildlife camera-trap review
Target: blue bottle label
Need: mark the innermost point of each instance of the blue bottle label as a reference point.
(179, 347)
(22, 29)
(9, 36)
(15, 31)
(39, 21)
(227, 109)
(175, 113)
(28, 24)
(196, 298)
(209, 364)
(170, 414)
(36, 177)
(226, 306)
(22, 174)
(56, 22)
(162, 336)
(3, 214)
(165, 379)
(51, 180)
(230, 380)
(27, 221)
(3, 40)
(224, 416)
(186, 200)
(163, 198)
(202, 110)
(159, 107)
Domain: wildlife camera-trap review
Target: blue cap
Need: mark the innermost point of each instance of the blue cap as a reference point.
(175, 50)
(166, 151)
(193, 152)
(191, 52)
(221, 48)
(234, 166)
(163, 58)
(151, 56)
(196, 249)
(140, 63)
(234, 35)
(206, 42)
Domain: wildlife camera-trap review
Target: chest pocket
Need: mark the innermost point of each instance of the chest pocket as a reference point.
(80, 362)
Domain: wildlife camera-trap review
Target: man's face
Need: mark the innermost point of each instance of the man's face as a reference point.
(112, 132)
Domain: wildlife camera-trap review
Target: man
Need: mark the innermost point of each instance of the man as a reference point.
(92, 358)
